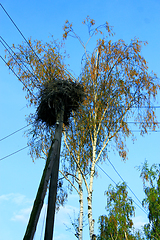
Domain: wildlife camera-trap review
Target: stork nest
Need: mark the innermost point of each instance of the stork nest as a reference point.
(56, 94)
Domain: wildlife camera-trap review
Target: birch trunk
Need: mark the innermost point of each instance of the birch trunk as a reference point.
(81, 207)
(89, 198)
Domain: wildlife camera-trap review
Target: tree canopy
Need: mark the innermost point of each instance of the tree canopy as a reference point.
(151, 184)
(118, 224)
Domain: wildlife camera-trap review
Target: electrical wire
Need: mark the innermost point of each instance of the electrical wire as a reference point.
(18, 77)
(99, 168)
(31, 123)
(147, 107)
(116, 184)
(21, 33)
(14, 153)
(14, 132)
(5, 43)
(123, 180)
(106, 174)
(16, 62)
(96, 165)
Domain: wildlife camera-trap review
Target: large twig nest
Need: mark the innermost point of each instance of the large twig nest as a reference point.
(56, 94)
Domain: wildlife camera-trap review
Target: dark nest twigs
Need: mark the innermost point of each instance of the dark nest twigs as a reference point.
(56, 94)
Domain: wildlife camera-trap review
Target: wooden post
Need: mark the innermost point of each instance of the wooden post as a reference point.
(53, 182)
(38, 203)
(51, 163)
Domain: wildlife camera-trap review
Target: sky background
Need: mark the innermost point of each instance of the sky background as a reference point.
(19, 176)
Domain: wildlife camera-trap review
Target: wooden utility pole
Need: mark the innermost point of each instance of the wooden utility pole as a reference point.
(54, 181)
(52, 164)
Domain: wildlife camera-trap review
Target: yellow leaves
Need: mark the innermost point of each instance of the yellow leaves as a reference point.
(92, 22)
(88, 20)
(145, 43)
(109, 29)
(67, 28)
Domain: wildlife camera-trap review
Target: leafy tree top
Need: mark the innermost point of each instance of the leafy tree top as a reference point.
(118, 224)
(151, 184)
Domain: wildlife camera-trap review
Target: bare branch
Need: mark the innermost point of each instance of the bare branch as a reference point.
(76, 161)
(69, 181)
(100, 122)
(44, 152)
(107, 139)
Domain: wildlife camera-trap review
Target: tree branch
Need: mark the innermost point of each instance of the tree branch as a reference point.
(69, 181)
(105, 142)
(100, 122)
(79, 167)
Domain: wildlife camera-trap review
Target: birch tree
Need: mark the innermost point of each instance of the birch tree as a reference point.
(118, 224)
(151, 186)
(117, 88)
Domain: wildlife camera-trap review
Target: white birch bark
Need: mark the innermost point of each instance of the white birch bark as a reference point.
(80, 228)
(89, 198)
(94, 142)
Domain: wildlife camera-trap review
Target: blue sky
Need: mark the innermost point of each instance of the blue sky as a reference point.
(19, 176)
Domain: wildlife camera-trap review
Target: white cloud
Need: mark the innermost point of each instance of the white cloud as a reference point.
(19, 206)
(139, 221)
(22, 208)
(4, 197)
(16, 198)
(22, 215)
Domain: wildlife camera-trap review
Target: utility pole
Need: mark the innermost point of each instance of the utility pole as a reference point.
(52, 164)
(54, 181)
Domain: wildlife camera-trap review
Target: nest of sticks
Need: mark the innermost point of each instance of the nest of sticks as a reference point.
(56, 94)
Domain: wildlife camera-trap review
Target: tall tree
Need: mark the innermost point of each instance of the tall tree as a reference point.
(118, 88)
(118, 223)
(117, 85)
(151, 184)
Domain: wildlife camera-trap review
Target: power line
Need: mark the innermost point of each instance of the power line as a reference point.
(142, 122)
(14, 132)
(123, 180)
(116, 184)
(147, 107)
(18, 77)
(31, 123)
(16, 61)
(21, 34)
(19, 59)
(106, 174)
(96, 164)
(14, 153)
(149, 131)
